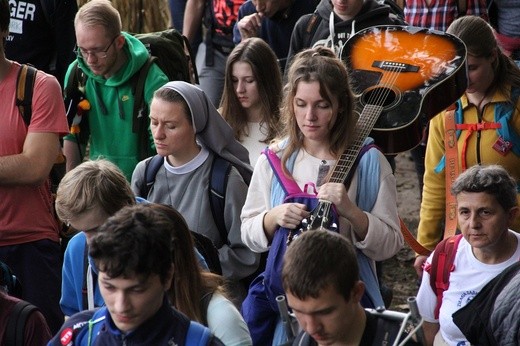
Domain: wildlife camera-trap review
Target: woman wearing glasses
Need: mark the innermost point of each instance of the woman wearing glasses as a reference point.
(109, 59)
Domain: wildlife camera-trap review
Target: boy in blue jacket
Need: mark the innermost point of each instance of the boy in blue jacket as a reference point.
(133, 254)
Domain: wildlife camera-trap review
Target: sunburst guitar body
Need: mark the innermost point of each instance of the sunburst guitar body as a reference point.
(403, 76)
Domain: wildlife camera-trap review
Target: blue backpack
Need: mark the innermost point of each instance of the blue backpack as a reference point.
(197, 335)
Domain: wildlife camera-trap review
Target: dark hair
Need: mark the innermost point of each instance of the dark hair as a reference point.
(480, 42)
(5, 15)
(135, 241)
(316, 260)
(493, 180)
(266, 71)
(190, 283)
(319, 65)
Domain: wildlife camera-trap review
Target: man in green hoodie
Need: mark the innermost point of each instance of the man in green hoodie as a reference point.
(109, 58)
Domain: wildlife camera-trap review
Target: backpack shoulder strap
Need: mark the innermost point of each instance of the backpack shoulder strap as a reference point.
(24, 91)
(150, 171)
(15, 329)
(84, 288)
(140, 110)
(138, 90)
(94, 325)
(442, 266)
(311, 27)
(198, 335)
(289, 185)
(219, 176)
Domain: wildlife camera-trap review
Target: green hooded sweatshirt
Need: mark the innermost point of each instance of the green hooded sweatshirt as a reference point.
(110, 116)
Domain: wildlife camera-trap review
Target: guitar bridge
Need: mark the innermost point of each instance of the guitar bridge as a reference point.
(393, 66)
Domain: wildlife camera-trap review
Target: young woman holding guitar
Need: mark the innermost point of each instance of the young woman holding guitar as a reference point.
(319, 145)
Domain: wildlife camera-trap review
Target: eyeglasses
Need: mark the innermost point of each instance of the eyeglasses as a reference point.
(100, 54)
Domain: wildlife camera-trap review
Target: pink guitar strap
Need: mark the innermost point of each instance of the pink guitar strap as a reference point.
(289, 185)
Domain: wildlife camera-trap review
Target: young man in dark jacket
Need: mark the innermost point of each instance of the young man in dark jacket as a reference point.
(349, 17)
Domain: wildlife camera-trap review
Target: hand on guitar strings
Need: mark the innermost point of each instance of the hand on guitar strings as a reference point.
(336, 193)
(288, 215)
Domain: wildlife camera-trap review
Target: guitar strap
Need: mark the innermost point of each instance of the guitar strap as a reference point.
(451, 172)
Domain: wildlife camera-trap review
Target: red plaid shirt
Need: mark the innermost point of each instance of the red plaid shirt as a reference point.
(440, 13)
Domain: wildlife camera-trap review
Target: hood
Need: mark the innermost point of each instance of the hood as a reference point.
(211, 129)
(137, 55)
(372, 13)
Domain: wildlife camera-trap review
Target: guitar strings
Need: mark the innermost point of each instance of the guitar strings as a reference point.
(377, 99)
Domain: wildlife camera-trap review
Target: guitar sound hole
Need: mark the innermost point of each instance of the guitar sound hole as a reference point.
(380, 96)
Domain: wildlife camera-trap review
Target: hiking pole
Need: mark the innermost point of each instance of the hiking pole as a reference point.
(417, 319)
(286, 319)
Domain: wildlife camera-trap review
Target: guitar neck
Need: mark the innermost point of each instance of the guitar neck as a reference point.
(366, 122)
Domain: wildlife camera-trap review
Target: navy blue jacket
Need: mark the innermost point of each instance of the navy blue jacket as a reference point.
(167, 327)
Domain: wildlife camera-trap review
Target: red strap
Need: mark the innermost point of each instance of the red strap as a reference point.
(470, 128)
(441, 268)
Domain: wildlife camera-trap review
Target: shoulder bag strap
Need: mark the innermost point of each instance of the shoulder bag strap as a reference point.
(451, 172)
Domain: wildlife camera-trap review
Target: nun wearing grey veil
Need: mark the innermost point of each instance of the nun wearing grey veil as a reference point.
(189, 132)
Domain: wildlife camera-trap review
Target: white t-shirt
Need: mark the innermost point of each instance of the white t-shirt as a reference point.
(252, 142)
(467, 279)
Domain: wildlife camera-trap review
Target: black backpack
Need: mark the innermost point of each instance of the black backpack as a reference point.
(15, 328)
(24, 93)
(219, 175)
(170, 50)
(220, 169)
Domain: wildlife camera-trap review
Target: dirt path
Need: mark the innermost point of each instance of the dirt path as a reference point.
(398, 272)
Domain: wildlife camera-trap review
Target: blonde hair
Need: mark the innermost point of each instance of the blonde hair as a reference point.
(100, 12)
(93, 184)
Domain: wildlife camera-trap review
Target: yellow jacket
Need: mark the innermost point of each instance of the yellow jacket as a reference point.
(479, 150)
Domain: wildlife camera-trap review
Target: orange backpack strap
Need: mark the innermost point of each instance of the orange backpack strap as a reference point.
(441, 267)
(451, 172)
(411, 241)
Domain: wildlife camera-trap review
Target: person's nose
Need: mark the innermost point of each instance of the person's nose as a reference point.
(158, 132)
(240, 87)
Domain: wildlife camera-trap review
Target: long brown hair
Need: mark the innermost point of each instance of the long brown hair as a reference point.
(266, 72)
(319, 65)
(190, 283)
(480, 42)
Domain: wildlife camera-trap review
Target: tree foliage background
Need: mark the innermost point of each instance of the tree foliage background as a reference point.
(141, 15)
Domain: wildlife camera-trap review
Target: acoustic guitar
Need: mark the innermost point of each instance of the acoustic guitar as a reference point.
(403, 76)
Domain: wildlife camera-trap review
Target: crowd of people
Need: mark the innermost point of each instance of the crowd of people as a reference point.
(258, 183)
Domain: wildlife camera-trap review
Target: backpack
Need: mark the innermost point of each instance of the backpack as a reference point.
(441, 267)
(169, 49)
(24, 93)
(15, 329)
(220, 169)
(197, 334)
(220, 17)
